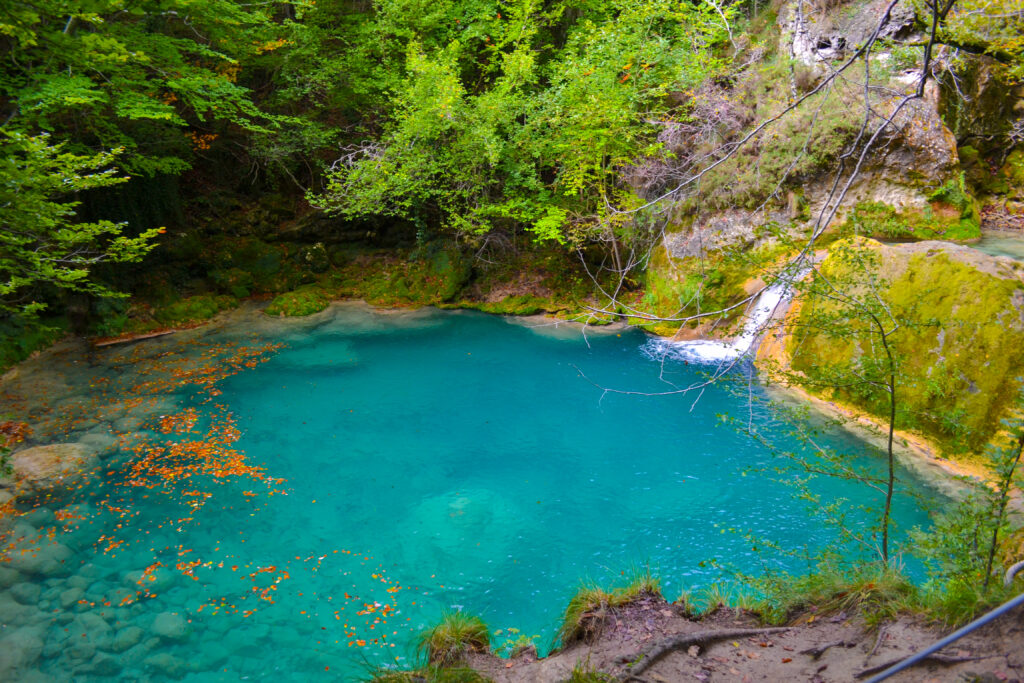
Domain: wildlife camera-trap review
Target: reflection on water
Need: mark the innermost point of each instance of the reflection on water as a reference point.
(295, 499)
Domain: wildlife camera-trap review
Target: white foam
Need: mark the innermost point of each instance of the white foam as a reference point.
(712, 352)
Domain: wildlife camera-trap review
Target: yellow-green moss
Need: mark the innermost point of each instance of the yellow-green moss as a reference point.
(194, 309)
(960, 347)
(952, 214)
(303, 301)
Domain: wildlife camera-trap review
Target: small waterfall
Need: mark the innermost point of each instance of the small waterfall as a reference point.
(712, 352)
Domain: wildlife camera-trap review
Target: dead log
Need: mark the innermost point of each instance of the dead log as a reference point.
(133, 337)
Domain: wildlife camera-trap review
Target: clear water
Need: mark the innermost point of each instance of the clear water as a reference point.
(1001, 244)
(412, 463)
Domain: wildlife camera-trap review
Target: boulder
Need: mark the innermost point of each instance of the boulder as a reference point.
(44, 468)
(719, 231)
(26, 593)
(166, 665)
(126, 638)
(18, 650)
(9, 577)
(49, 559)
(813, 33)
(103, 665)
(70, 597)
(171, 626)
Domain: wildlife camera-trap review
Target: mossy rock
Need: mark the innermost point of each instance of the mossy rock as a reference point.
(518, 305)
(960, 343)
(194, 309)
(302, 301)
(234, 281)
(951, 214)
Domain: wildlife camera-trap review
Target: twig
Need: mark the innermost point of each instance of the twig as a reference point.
(818, 651)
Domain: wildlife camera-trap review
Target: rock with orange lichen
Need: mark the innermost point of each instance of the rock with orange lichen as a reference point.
(43, 468)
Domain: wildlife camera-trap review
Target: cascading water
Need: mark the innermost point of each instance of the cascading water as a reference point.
(714, 352)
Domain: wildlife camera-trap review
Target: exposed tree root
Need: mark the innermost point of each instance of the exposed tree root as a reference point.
(818, 650)
(648, 657)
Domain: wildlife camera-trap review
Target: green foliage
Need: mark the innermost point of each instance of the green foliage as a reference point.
(956, 385)
(584, 672)
(964, 548)
(516, 114)
(877, 590)
(455, 635)
(306, 300)
(19, 338)
(42, 247)
(995, 28)
(153, 78)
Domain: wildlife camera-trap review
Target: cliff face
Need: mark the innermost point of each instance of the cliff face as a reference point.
(938, 161)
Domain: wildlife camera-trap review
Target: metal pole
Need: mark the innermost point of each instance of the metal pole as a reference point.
(951, 638)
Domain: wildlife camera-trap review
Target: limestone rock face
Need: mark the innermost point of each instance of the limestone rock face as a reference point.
(726, 229)
(976, 102)
(47, 467)
(812, 35)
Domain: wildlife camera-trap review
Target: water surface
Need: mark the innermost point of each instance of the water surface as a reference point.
(300, 512)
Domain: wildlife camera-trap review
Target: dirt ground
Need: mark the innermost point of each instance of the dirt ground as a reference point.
(829, 648)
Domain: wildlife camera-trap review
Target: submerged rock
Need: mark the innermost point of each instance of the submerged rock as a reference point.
(126, 638)
(43, 468)
(49, 559)
(166, 664)
(26, 593)
(19, 650)
(171, 626)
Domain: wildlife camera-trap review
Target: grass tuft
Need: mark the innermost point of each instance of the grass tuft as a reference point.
(587, 610)
(879, 592)
(428, 675)
(583, 672)
(448, 642)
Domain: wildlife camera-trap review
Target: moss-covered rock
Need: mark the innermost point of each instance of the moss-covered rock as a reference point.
(234, 281)
(303, 301)
(194, 309)
(959, 339)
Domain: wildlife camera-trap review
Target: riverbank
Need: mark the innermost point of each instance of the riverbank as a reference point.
(733, 645)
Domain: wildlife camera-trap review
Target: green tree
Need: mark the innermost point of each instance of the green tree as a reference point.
(41, 245)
